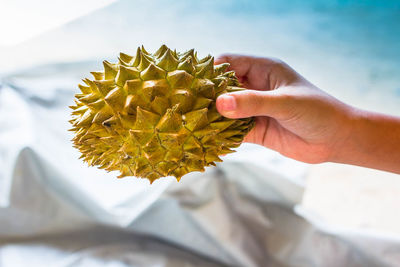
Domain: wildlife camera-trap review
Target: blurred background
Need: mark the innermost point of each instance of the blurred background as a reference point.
(349, 48)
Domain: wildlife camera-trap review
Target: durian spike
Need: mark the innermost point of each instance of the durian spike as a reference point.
(168, 61)
(136, 61)
(160, 51)
(125, 57)
(144, 51)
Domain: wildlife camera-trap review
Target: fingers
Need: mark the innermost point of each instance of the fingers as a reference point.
(240, 64)
(256, 72)
(249, 103)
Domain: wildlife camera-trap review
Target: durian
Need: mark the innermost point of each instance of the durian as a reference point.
(154, 115)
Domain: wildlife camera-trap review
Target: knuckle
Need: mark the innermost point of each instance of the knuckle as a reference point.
(278, 63)
(226, 57)
(271, 64)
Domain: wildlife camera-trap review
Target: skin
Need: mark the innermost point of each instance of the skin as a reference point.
(304, 123)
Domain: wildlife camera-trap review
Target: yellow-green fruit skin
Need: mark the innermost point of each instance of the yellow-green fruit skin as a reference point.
(154, 115)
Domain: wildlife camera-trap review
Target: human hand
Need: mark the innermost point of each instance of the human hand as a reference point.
(292, 116)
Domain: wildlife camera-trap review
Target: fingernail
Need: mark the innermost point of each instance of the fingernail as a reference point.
(228, 103)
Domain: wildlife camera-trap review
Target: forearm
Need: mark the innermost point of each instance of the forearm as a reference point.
(373, 142)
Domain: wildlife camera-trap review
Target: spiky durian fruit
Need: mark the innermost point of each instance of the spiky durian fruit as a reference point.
(154, 115)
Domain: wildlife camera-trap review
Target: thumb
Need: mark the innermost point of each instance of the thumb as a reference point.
(249, 103)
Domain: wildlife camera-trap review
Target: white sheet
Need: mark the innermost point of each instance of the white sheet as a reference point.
(55, 211)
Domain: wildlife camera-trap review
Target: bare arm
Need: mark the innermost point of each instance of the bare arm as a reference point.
(374, 142)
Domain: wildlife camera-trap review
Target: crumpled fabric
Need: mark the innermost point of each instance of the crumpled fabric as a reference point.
(55, 211)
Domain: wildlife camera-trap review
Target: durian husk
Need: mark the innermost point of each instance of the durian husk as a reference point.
(154, 115)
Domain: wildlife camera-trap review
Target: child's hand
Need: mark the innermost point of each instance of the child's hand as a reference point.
(302, 122)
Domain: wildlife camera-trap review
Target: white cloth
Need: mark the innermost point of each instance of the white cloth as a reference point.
(55, 211)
